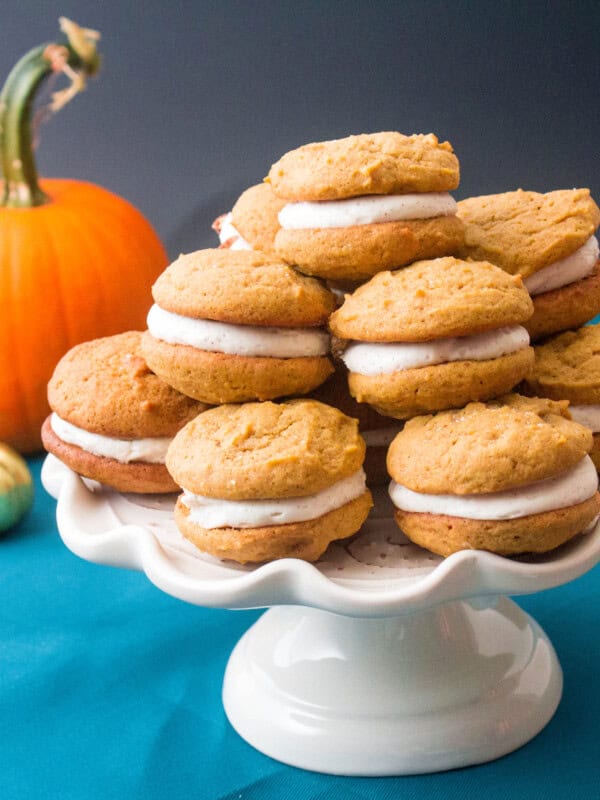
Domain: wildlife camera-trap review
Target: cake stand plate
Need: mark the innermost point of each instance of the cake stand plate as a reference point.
(381, 659)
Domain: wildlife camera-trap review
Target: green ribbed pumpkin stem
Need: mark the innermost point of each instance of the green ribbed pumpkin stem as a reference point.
(77, 58)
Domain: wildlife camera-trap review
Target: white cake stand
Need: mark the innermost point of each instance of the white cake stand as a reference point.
(382, 659)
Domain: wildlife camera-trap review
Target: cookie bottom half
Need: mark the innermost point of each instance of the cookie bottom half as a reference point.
(136, 476)
(217, 378)
(305, 540)
(537, 533)
(358, 252)
(568, 307)
(411, 392)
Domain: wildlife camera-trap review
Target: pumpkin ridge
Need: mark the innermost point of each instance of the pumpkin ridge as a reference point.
(10, 329)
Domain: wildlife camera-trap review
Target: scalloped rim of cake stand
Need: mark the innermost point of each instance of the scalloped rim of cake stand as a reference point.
(215, 584)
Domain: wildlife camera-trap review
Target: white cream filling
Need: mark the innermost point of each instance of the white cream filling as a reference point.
(211, 512)
(567, 489)
(150, 450)
(240, 340)
(382, 358)
(381, 437)
(588, 415)
(567, 270)
(228, 233)
(366, 210)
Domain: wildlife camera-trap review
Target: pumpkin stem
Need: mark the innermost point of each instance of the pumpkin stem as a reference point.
(77, 58)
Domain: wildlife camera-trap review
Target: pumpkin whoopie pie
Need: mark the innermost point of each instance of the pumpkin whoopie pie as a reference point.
(252, 223)
(231, 326)
(434, 335)
(265, 480)
(511, 476)
(549, 240)
(567, 367)
(112, 417)
(366, 203)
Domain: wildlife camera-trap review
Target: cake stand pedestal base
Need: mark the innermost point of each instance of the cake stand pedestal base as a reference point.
(453, 685)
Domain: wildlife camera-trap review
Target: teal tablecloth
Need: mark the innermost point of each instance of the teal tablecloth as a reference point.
(111, 689)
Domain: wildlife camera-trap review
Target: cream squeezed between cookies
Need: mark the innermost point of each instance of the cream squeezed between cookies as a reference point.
(229, 235)
(148, 450)
(567, 489)
(366, 210)
(382, 358)
(567, 270)
(240, 340)
(211, 512)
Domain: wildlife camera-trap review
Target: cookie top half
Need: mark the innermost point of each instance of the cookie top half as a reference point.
(266, 450)
(567, 366)
(254, 216)
(523, 232)
(106, 387)
(370, 163)
(487, 447)
(242, 287)
(431, 300)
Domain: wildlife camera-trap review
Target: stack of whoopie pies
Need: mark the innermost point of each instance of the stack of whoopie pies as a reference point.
(354, 308)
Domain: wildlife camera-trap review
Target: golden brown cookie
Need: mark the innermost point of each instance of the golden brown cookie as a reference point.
(254, 215)
(526, 232)
(357, 253)
(430, 300)
(523, 232)
(567, 367)
(565, 308)
(241, 459)
(487, 447)
(241, 287)
(217, 378)
(270, 345)
(253, 221)
(442, 308)
(104, 388)
(536, 533)
(259, 450)
(135, 476)
(410, 392)
(306, 540)
(337, 177)
(473, 478)
(370, 163)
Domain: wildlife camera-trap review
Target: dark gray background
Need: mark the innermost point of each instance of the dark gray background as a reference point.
(197, 99)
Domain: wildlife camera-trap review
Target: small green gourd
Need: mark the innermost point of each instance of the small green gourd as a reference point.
(16, 487)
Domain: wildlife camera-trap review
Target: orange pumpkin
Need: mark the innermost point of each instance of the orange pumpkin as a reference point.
(76, 261)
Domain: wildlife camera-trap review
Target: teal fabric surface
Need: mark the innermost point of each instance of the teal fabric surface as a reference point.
(111, 689)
